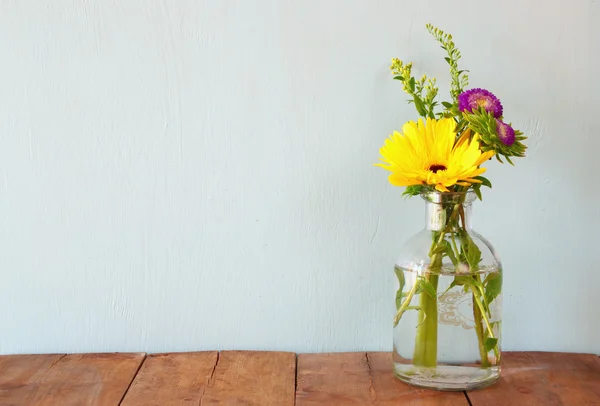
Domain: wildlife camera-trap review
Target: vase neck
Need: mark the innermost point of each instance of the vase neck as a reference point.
(448, 211)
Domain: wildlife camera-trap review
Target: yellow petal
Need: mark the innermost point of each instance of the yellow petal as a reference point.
(463, 138)
(408, 156)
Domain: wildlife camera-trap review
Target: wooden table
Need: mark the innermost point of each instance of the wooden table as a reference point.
(280, 379)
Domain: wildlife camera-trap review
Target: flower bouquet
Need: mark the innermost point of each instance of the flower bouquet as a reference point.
(447, 322)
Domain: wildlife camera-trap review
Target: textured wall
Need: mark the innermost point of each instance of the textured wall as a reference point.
(185, 175)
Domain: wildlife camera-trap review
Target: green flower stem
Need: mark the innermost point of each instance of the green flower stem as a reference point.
(427, 330)
(485, 362)
(405, 305)
(425, 354)
(483, 316)
(454, 247)
(480, 311)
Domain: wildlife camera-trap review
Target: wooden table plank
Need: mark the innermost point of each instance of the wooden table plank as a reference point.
(19, 376)
(336, 378)
(360, 379)
(267, 378)
(172, 379)
(90, 379)
(252, 378)
(389, 390)
(538, 378)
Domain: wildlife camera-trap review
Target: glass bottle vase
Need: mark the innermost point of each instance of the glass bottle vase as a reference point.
(447, 322)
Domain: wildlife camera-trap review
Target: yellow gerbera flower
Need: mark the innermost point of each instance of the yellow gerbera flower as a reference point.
(427, 155)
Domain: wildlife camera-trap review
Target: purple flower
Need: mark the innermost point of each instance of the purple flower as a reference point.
(505, 133)
(471, 100)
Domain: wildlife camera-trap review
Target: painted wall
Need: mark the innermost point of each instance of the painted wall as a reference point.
(188, 175)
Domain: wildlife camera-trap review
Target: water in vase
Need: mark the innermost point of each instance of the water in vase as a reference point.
(449, 333)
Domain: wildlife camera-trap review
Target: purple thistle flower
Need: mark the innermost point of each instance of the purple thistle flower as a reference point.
(505, 133)
(471, 100)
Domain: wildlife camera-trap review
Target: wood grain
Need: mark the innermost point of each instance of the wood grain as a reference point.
(252, 378)
(172, 379)
(20, 374)
(88, 379)
(388, 390)
(538, 378)
(336, 379)
(267, 378)
(360, 379)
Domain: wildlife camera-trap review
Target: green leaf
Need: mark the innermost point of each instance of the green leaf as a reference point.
(454, 283)
(470, 251)
(401, 281)
(489, 343)
(428, 287)
(400, 314)
(420, 106)
(477, 190)
(438, 248)
(458, 281)
(447, 105)
(399, 296)
(412, 190)
(398, 78)
(484, 181)
(450, 253)
(493, 286)
(411, 84)
(467, 281)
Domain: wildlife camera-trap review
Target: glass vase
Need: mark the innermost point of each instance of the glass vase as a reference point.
(447, 323)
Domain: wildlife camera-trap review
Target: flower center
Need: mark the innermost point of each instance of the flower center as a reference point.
(483, 102)
(435, 167)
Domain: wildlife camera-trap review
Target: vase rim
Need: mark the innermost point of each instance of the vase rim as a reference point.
(435, 196)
